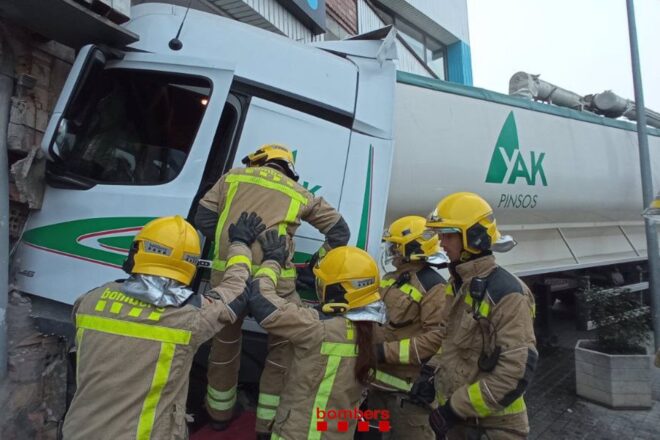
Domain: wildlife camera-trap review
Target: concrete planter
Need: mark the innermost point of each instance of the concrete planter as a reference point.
(616, 381)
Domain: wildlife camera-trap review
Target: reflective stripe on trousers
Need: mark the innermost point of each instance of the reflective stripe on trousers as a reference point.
(221, 400)
(267, 406)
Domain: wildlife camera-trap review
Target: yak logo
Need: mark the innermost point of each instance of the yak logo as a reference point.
(508, 164)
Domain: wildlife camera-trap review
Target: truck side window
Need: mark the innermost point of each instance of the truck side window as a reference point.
(131, 127)
(221, 150)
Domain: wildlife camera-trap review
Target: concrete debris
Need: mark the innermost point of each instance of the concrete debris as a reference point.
(35, 390)
(28, 176)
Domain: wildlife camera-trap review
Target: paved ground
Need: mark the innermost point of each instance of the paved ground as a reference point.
(557, 413)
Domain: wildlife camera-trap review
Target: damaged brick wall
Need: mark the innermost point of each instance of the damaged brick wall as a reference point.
(39, 68)
(33, 396)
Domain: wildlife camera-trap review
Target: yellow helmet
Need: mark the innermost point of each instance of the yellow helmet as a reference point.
(166, 247)
(411, 239)
(470, 215)
(346, 278)
(277, 153)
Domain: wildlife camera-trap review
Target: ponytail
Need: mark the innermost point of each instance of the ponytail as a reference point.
(366, 358)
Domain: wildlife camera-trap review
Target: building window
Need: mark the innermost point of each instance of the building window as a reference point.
(435, 59)
(414, 43)
(426, 48)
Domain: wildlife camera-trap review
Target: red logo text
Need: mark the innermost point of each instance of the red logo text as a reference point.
(379, 418)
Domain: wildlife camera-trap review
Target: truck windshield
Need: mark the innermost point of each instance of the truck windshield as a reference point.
(130, 127)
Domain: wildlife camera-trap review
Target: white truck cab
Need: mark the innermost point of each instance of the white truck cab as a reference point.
(144, 131)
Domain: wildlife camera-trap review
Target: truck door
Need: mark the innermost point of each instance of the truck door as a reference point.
(320, 146)
(128, 141)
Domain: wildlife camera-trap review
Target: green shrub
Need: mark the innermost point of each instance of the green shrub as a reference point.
(622, 321)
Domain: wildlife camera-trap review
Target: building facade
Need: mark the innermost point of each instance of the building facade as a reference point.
(432, 40)
(38, 43)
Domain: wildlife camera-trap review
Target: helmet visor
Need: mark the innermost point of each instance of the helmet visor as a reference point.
(440, 258)
(504, 244)
(441, 231)
(428, 234)
(390, 252)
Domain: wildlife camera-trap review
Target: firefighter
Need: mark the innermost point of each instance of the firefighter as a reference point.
(488, 356)
(414, 296)
(267, 185)
(332, 345)
(136, 339)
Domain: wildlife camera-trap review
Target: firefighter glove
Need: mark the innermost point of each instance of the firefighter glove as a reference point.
(274, 247)
(442, 419)
(305, 279)
(423, 390)
(246, 229)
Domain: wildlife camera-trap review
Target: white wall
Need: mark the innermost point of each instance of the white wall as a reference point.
(450, 14)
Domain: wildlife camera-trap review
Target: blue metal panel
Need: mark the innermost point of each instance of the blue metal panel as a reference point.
(310, 12)
(459, 63)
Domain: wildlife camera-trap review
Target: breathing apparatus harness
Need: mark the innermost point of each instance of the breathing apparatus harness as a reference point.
(478, 291)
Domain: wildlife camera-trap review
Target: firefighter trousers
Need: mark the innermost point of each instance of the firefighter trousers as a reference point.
(407, 420)
(224, 364)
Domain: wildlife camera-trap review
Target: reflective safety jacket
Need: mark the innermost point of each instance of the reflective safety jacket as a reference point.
(280, 202)
(414, 295)
(505, 319)
(133, 359)
(321, 379)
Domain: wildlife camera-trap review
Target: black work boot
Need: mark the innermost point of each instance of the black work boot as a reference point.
(222, 425)
(218, 425)
(263, 435)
